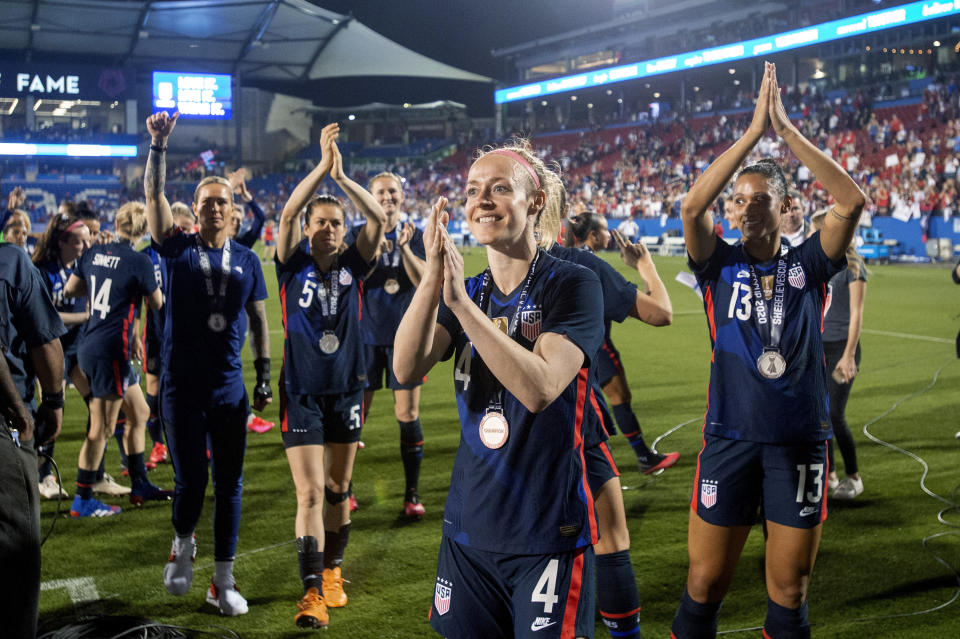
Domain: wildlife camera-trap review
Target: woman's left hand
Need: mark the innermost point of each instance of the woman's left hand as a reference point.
(336, 169)
(778, 114)
(845, 370)
(454, 288)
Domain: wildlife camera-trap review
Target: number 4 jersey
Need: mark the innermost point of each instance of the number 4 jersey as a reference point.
(117, 277)
(743, 404)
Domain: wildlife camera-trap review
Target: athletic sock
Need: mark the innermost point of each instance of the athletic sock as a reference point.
(223, 573)
(411, 453)
(786, 623)
(617, 594)
(138, 471)
(334, 545)
(153, 423)
(695, 620)
(85, 481)
(118, 434)
(630, 428)
(311, 563)
(102, 468)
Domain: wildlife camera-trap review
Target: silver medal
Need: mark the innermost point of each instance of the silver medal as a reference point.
(217, 322)
(494, 430)
(391, 286)
(329, 343)
(771, 364)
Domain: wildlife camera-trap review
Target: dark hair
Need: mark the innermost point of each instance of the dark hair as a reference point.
(580, 226)
(319, 200)
(770, 170)
(48, 246)
(84, 212)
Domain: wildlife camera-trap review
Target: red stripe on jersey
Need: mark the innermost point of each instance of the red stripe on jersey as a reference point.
(823, 305)
(620, 615)
(578, 445)
(283, 401)
(696, 477)
(606, 453)
(613, 356)
(360, 301)
(596, 408)
(283, 308)
(126, 332)
(116, 378)
(568, 627)
(823, 511)
(708, 299)
(143, 337)
(765, 635)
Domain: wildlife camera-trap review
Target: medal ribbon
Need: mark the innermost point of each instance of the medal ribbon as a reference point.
(485, 292)
(769, 321)
(329, 305)
(392, 259)
(216, 301)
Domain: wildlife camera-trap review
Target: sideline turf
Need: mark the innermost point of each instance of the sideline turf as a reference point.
(871, 563)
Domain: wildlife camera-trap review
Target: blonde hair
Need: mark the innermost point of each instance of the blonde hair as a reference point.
(547, 224)
(213, 179)
(132, 220)
(19, 218)
(179, 209)
(854, 261)
(385, 174)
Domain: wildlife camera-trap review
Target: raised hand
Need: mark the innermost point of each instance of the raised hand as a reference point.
(454, 287)
(433, 237)
(16, 198)
(406, 234)
(778, 114)
(633, 255)
(328, 139)
(238, 183)
(761, 112)
(336, 169)
(160, 125)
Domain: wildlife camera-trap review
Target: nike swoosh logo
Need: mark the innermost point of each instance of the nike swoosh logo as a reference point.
(807, 511)
(534, 627)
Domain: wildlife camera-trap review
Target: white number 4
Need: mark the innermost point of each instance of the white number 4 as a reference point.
(101, 297)
(545, 591)
(461, 372)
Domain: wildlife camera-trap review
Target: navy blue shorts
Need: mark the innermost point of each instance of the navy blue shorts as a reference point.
(608, 362)
(307, 420)
(486, 595)
(380, 364)
(600, 466)
(736, 478)
(108, 377)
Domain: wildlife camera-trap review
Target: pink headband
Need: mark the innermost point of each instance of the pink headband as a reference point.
(519, 158)
(73, 227)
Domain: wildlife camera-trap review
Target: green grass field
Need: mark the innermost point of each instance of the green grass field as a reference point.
(874, 571)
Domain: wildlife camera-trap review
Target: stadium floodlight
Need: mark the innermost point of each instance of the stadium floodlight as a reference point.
(857, 25)
(69, 150)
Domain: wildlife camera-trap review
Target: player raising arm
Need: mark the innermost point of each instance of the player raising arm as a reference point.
(519, 502)
(767, 414)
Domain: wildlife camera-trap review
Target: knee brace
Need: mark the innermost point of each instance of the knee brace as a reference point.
(333, 497)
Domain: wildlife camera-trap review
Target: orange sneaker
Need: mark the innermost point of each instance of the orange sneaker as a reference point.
(312, 611)
(158, 455)
(333, 593)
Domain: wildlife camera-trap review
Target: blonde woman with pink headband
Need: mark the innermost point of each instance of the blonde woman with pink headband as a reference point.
(516, 557)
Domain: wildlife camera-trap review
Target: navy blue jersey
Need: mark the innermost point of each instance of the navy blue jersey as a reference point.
(197, 361)
(27, 316)
(307, 369)
(384, 310)
(531, 495)
(743, 404)
(153, 325)
(55, 276)
(836, 312)
(117, 278)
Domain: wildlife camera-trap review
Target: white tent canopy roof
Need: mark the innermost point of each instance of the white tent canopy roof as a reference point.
(275, 40)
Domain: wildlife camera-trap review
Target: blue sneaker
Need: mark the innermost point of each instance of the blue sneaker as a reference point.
(148, 492)
(91, 508)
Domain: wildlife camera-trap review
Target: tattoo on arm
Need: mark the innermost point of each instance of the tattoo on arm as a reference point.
(155, 176)
(833, 211)
(259, 333)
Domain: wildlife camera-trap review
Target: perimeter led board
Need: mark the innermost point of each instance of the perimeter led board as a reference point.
(825, 32)
(70, 150)
(195, 95)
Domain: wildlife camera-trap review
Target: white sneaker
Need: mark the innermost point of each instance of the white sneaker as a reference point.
(50, 489)
(227, 599)
(109, 486)
(178, 573)
(832, 482)
(849, 488)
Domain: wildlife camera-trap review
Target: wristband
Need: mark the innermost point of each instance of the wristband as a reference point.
(158, 149)
(52, 400)
(262, 366)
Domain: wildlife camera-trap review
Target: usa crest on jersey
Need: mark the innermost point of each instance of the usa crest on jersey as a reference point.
(530, 324)
(708, 493)
(796, 276)
(441, 596)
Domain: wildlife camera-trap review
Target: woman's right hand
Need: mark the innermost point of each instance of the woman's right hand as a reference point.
(433, 239)
(761, 112)
(328, 140)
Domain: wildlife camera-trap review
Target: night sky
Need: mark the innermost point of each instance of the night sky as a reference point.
(460, 33)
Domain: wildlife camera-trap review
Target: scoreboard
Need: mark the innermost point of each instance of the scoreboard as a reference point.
(195, 95)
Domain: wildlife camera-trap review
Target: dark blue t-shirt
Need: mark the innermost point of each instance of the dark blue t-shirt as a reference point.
(382, 311)
(200, 365)
(27, 316)
(153, 326)
(743, 404)
(531, 495)
(117, 277)
(307, 370)
(55, 276)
